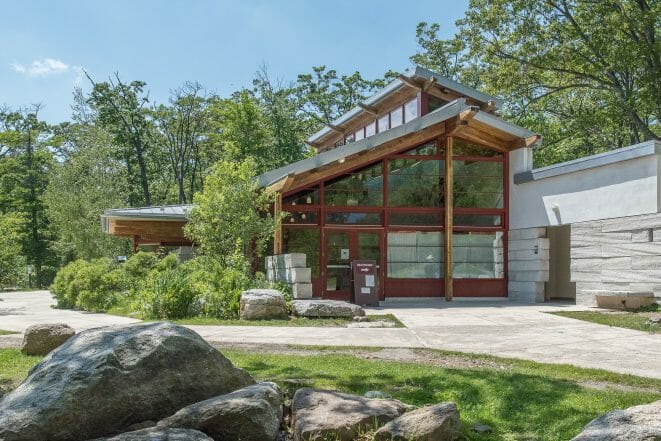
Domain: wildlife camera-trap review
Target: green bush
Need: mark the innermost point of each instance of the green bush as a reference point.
(138, 265)
(92, 286)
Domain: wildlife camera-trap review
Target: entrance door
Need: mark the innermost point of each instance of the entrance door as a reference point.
(341, 248)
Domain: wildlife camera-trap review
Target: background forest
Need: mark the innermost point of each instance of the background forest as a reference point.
(584, 74)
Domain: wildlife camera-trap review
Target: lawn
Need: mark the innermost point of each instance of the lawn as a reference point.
(4, 332)
(620, 319)
(520, 400)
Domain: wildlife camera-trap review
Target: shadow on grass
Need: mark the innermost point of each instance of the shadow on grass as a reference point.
(518, 406)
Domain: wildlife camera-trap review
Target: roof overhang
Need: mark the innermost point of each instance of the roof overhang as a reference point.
(417, 77)
(454, 119)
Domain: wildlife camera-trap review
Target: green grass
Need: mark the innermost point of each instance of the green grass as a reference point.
(292, 321)
(520, 400)
(14, 367)
(621, 319)
(525, 400)
(4, 332)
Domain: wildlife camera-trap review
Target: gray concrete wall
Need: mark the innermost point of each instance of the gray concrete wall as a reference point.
(621, 254)
(528, 264)
(620, 183)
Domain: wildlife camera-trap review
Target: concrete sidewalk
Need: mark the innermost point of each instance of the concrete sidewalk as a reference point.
(503, 329)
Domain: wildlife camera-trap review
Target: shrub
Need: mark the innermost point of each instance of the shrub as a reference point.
(138, 265)
(92, 286)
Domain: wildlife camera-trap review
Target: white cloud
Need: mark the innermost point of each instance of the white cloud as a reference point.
(42, 68)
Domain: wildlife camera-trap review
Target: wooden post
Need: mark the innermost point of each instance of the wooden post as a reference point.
(448, 219)
(277, 212)
(136, 241)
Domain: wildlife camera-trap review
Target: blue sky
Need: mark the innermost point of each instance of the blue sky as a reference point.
(221, 44)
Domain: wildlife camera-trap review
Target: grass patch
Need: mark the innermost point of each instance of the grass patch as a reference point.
(520, 400)
(14, 367)
(620, 319)
(526, 400)
(4, 332)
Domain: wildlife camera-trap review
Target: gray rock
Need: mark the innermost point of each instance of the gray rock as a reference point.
(41, 339)
(638, 423)
(159, 434)
(262, 304)
(326, 308)
(253, 413)
(439, 422)
(321, 414)
(374, 324)
(103, 380)
(482, 428)
(375, 394)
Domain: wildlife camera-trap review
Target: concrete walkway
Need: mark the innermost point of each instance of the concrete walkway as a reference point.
(503, 329)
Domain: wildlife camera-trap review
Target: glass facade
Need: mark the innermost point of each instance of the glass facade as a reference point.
(397, 204)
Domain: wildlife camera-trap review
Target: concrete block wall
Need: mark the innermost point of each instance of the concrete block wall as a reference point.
(290, 269)
(621, 254)
(528, 264)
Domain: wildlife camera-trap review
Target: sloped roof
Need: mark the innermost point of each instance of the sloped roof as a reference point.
(445, 113)
(156, 212)
(415, 73)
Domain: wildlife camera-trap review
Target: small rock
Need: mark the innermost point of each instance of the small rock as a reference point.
(253, 413)
(638, 423)
(654, 320)
(482, 428)
(359, 318)
(262, 304)
(375, 324)
(41, 339)
(375, 394)
(325, 414)
(326, 308)
(159, 434)
(439, 422)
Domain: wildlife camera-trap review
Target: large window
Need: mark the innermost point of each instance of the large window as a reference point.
(478, 255)
(415, 255)
(478, 184)
(360, 188)
(303, 240)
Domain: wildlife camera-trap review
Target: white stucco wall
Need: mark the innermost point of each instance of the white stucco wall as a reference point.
(620, 183)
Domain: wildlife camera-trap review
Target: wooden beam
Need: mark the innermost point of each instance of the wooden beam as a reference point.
(449, 221)
(410, 82)
(369, 109)
(335, 129)
(277, 212)
(468, 114)
(282, 184)
(314, 145)
(429, 84)
(490, 106)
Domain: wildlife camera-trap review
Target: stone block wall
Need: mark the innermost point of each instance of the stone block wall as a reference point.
(290, 269)
(528, 264)
(622, 254)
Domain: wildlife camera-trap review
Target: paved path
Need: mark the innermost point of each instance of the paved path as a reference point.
(503, 329)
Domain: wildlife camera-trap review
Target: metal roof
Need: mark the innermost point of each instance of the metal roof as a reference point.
(159, 212)
(415, 72)
(439, 115)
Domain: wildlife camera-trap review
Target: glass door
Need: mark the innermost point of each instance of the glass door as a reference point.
(342, 247)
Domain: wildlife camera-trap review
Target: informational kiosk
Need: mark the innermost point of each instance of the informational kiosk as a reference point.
(365, 291)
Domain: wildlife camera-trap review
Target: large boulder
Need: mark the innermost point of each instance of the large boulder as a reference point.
(326, 308)
(638, 423)
(431, 423)
(262, 304)
(253, 413)
(159, 434)
(325, 414)
(103, 380)
(41, 339)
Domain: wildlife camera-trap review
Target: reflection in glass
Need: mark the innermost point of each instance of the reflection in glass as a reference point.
(415, 183)
(353, 218)
(303, 240)
(415, 255)
(478, 184)
(360, 188)
(305, 197)
(478, 255)
(411, 110)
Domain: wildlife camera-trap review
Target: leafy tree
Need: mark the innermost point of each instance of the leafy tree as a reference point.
(323, 95)
(122, 109)
(231, 212)
(181, 126)
(12, 260)
(24, 168)
(89, 181)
